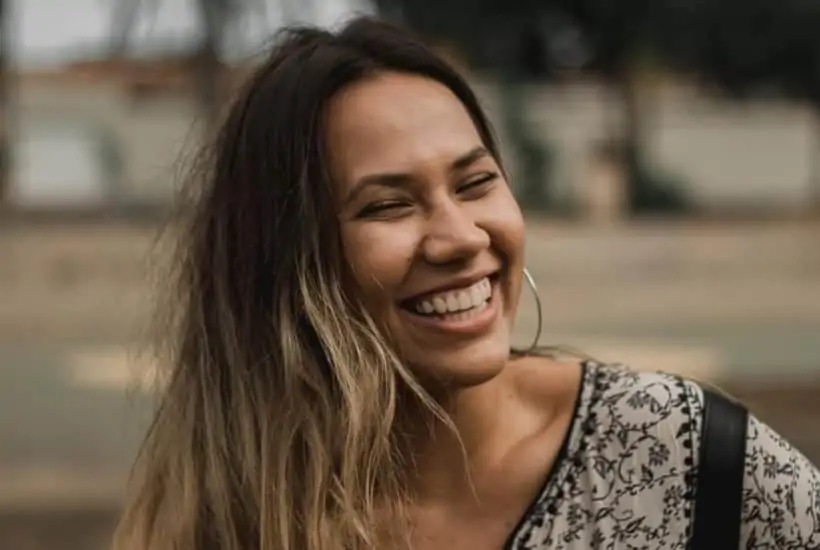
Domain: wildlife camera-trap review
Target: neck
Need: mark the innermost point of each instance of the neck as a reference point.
(446, 462)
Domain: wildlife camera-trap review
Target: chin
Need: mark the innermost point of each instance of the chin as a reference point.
(456, 369)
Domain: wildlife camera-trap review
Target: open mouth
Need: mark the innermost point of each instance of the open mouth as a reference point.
(454, 305)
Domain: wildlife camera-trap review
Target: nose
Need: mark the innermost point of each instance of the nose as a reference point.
(452, 235)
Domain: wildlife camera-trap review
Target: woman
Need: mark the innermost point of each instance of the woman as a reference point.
(341, 368)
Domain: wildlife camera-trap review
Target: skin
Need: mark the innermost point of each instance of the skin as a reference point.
(422, 204)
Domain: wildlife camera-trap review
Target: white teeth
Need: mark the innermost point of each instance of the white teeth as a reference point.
(476, 295)
(453, 301)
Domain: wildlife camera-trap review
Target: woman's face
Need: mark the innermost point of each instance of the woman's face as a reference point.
(431, 232)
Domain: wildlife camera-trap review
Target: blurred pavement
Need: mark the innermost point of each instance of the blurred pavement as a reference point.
(735, 304)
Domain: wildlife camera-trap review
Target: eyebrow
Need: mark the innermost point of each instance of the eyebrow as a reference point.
(402, 179)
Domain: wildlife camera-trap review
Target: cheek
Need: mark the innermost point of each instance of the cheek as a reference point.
(378, 260)
(506, 226)
(517, 229)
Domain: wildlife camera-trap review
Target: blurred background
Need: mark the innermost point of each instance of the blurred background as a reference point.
(667, 153)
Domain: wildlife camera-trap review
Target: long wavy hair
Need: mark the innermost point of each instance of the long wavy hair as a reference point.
(280, 420)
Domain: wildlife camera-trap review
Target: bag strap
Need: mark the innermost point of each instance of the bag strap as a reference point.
(719, 489)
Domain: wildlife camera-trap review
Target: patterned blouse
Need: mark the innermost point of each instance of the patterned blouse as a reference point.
(623, 476)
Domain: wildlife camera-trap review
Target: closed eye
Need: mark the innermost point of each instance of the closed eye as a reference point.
(383, 209)
(478, 184)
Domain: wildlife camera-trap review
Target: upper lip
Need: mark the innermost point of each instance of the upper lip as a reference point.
(462, 281)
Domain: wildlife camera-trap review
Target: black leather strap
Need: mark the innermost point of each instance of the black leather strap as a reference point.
(719, 489)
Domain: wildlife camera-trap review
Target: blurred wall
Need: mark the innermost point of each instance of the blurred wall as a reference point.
(142, 141)
(725, 154)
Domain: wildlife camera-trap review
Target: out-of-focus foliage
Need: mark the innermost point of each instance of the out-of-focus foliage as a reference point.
(750, 47)
(743, 46)
(739, 47)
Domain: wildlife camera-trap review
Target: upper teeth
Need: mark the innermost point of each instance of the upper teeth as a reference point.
(456, 300)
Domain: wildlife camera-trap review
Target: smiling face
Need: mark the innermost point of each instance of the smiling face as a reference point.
(430, 230)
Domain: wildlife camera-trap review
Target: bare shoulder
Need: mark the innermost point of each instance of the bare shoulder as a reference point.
(543, 381)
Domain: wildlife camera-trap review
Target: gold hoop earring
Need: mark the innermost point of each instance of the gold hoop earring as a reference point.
(531, 283)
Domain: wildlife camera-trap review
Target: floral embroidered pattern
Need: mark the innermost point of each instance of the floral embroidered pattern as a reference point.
(624, 478)
(781, 494)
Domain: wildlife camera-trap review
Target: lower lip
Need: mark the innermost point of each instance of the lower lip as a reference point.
(475, 324)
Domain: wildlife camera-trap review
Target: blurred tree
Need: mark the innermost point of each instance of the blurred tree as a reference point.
(745, 47)
(214, 18)
(541, 39)
(753, 48)
(487, 34)
(742, 48)
(622, 40)
(533, 154)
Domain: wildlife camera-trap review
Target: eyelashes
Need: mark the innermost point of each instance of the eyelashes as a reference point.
(473, 189)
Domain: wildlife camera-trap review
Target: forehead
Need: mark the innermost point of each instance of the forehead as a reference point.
(396, 123)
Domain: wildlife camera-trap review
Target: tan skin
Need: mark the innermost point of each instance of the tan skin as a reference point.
(423, 205)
